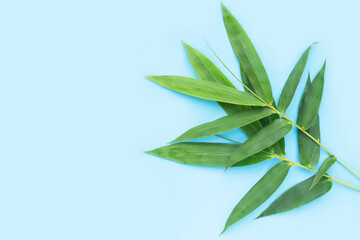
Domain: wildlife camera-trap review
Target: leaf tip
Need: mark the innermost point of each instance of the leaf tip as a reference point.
(323, 67)
(148, 152)
(149, 77)
(174, 141)
(314, 43)
(223, 8)
(222, 231)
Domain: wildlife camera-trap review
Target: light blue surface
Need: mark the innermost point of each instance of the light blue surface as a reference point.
(77, 114)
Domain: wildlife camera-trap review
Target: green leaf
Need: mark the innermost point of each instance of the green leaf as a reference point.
(309, 108)
(298, 196)
(325, 166)
(259, 193)
(279, 146)
(265, 138)
(292, 82)
(247, 56)
(204, 68)
(224, 124)
(207, 70)
(207, 90)
(206, 154)
(246, 81)
(309, 151)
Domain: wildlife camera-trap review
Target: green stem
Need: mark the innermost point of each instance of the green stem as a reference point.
(298, 165)
(284, 116)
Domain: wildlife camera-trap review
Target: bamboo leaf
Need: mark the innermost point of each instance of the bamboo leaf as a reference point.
(292, 82)
(309, 151)
(325, 166)
(247, 56)
(298, 196)
(207, 70)
(309, 108)
(246, 81)
(206, 154)
(279, 146)
(259, 193)
(207, 90)
(224, 124)
(265, 138)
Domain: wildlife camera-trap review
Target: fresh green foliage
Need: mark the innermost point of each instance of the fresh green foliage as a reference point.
(279, 146)
(311, 102)
(326, 165)
(309, 151)
(265, 138)
(252, 69)
(206, 154)
(292, 82)
(248, 57)
(207, 90)
(224, 124)
(207, 70)
(298, 195)
(259, 193)
(265, 123)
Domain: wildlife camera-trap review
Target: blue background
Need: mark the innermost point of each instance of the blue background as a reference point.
(77, 114)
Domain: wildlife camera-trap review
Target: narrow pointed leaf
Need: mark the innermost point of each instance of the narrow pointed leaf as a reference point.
(249, 129)
(309, 108)
(247, 56)
(292, 82)
(309, 151)
(207, 90)
(279, 146)
(259, 193)
(206, 154)
(298, 196)
(207, 70)
(224, 124)
(265, 138)
(325, 166)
